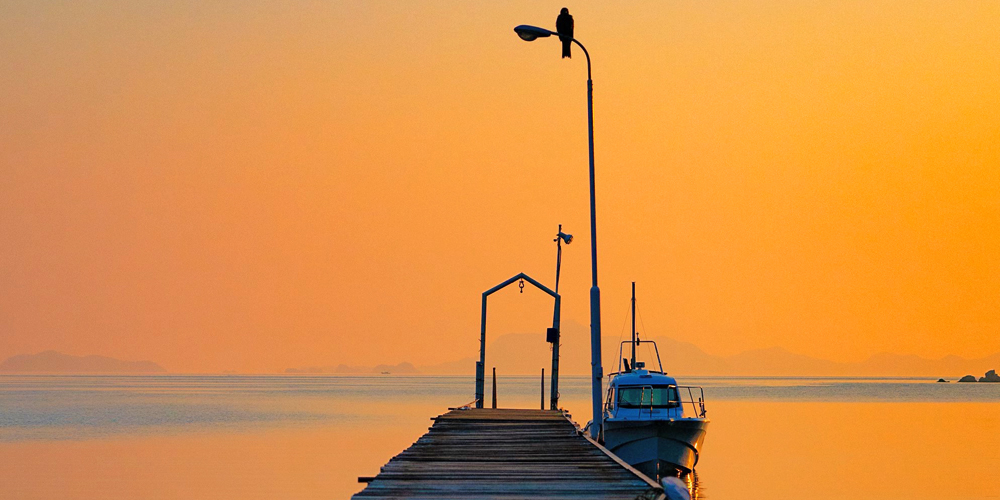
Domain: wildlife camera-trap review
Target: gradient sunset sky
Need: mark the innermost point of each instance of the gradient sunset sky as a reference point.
(252, 185)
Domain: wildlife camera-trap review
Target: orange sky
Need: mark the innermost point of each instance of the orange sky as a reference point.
(252, 186)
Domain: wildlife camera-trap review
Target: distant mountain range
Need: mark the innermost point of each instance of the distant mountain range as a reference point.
(400, 369)
(57, 362)
(527, 354)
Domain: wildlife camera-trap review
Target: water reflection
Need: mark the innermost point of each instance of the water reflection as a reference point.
(222, 437)
(690, 481)
(693, 485)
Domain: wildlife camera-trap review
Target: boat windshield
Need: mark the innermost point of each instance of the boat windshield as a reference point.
(658, 396)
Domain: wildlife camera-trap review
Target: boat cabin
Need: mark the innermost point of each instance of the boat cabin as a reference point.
(641, 394)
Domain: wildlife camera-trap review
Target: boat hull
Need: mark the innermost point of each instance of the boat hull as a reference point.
(656, 447)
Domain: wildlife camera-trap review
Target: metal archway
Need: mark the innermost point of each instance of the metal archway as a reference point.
(481, 364)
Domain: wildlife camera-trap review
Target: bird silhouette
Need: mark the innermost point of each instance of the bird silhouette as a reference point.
(564, 26)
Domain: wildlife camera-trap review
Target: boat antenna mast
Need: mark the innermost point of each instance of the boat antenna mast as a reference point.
(635, 335)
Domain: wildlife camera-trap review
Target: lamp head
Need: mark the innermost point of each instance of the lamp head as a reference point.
(529, 33)
(568, 238)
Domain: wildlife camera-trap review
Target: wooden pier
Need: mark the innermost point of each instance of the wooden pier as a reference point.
(507, 454)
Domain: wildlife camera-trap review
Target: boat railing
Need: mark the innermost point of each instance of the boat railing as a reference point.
(609, 403)
(621, 349)
(697, 405)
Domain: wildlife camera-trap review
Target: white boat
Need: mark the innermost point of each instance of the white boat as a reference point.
(650, 422)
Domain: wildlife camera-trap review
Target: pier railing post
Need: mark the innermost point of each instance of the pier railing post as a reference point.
(494, 387)
(543, 390)
(480, 383)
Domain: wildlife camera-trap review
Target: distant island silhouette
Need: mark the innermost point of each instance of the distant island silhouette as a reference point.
(991, 376)
(57, 362)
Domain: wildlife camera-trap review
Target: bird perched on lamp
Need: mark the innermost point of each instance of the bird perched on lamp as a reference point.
(564, 26)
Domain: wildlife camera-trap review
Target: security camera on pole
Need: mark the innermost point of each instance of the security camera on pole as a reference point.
(553, 334)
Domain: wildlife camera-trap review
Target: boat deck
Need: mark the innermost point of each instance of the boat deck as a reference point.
(506, 454)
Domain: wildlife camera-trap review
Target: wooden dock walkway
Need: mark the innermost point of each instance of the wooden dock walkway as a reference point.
(507, 454)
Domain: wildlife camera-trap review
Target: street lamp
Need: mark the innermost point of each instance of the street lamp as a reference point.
(561, 238)
(528, 34)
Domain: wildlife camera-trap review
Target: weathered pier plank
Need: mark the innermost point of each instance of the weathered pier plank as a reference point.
(506, 454)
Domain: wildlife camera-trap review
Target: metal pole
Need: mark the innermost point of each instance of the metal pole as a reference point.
(597, 372)
(542, 400)
(494, 387)
(633, 325)
(554, 397)
(481, 365)
(558, 255)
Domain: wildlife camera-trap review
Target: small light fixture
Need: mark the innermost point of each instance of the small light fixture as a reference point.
(530, 33)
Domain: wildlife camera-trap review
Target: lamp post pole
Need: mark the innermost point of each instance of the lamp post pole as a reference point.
(596, 371)
(530, 33)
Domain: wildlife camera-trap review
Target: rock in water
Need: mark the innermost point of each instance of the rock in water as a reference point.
(991, 376)
(967, 378)
(941, 380)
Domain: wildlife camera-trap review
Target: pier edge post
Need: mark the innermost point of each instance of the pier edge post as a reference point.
(494, 387)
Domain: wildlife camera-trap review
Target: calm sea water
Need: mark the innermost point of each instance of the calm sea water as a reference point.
(182, 436)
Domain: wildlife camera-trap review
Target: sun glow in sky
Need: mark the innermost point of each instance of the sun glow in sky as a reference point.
(254, 185)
